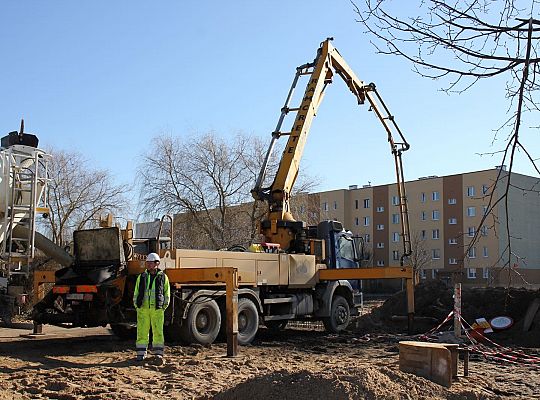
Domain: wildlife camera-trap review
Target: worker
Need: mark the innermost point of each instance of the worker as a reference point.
(151, 299)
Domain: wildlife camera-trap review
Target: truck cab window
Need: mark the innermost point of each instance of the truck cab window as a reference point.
(346, 255)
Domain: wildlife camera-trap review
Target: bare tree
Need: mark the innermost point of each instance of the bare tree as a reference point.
(207, 181)
(78, 195)
(462, 42)
(420, 258)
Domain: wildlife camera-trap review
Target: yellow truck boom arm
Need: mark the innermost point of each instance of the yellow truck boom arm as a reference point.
(327, 63)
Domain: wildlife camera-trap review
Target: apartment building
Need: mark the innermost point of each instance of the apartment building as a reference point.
(448, 237)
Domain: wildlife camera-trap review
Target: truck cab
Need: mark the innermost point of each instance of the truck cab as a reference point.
(340, 245)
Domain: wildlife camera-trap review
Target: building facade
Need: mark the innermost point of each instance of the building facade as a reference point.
(458, 225)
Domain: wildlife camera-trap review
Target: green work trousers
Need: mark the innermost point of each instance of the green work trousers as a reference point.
(150, 317)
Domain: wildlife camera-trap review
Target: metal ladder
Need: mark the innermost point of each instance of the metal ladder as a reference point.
(27, 173)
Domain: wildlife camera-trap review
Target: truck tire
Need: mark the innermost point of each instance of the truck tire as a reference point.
(248, 321)
(202, 323)
(340, 315)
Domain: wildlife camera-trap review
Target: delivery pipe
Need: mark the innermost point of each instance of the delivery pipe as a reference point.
(46, 246)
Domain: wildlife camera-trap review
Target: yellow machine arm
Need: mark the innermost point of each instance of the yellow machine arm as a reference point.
(327, 63)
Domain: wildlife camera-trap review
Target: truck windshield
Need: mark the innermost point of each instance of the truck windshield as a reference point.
(346, 248)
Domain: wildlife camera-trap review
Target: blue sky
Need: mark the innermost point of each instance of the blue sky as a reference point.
(104, 77)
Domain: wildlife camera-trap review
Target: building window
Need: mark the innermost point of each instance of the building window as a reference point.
(366, 221)
(423, 216)
(367, 238)
(485, 189)
(471, 231)
(395, 255)
(395, 218)
(325, 206)
(380, 209)
(471, 273)
(485, 273)
(366, 203)
(435, 196)
(380, 263)
(452, 261)
(485, 251)
(452, 241)
(380, 245)
(452, 221)
(435, 234)
(452, 201)
(423, 235)
(423, 197)
(471, 211)
(435, 215)
(470, 191)
(435, 254)
(335, 205)
(485, 210)
(357, 221)
(484, 230)
(395, 200)
(395, 237)
(434, 273)
(472, 252)
(356, 204)
(380, 227)
(422, 274)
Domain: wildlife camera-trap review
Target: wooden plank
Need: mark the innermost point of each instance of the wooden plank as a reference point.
(410, 304)
(231, 308)
(429, 360)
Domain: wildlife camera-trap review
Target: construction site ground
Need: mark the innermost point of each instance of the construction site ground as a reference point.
(302, 362)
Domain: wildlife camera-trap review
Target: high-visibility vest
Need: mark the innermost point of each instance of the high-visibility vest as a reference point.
(152, 292)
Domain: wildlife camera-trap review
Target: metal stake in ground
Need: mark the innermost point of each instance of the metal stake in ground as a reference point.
(457, 310)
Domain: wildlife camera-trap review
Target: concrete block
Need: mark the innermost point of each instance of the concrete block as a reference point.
(432, 361)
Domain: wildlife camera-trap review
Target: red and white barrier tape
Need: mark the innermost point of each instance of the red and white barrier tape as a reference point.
(425, 336)
(496, 352)
(501, 353)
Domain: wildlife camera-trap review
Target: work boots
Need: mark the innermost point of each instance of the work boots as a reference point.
(159, 360)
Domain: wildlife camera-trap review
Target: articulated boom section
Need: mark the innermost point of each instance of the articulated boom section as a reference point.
(280, 226)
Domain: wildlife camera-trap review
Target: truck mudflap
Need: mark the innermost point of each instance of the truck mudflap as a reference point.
(324, 293)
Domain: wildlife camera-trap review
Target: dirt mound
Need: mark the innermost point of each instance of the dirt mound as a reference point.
(342, 383)
(434, 300)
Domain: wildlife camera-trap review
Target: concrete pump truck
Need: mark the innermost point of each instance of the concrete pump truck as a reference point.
(289, 278)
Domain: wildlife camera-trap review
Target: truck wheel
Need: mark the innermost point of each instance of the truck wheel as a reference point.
(248, 321)
(202, 323)
(340, 315)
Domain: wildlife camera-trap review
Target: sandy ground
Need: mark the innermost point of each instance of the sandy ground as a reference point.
(298, 363)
